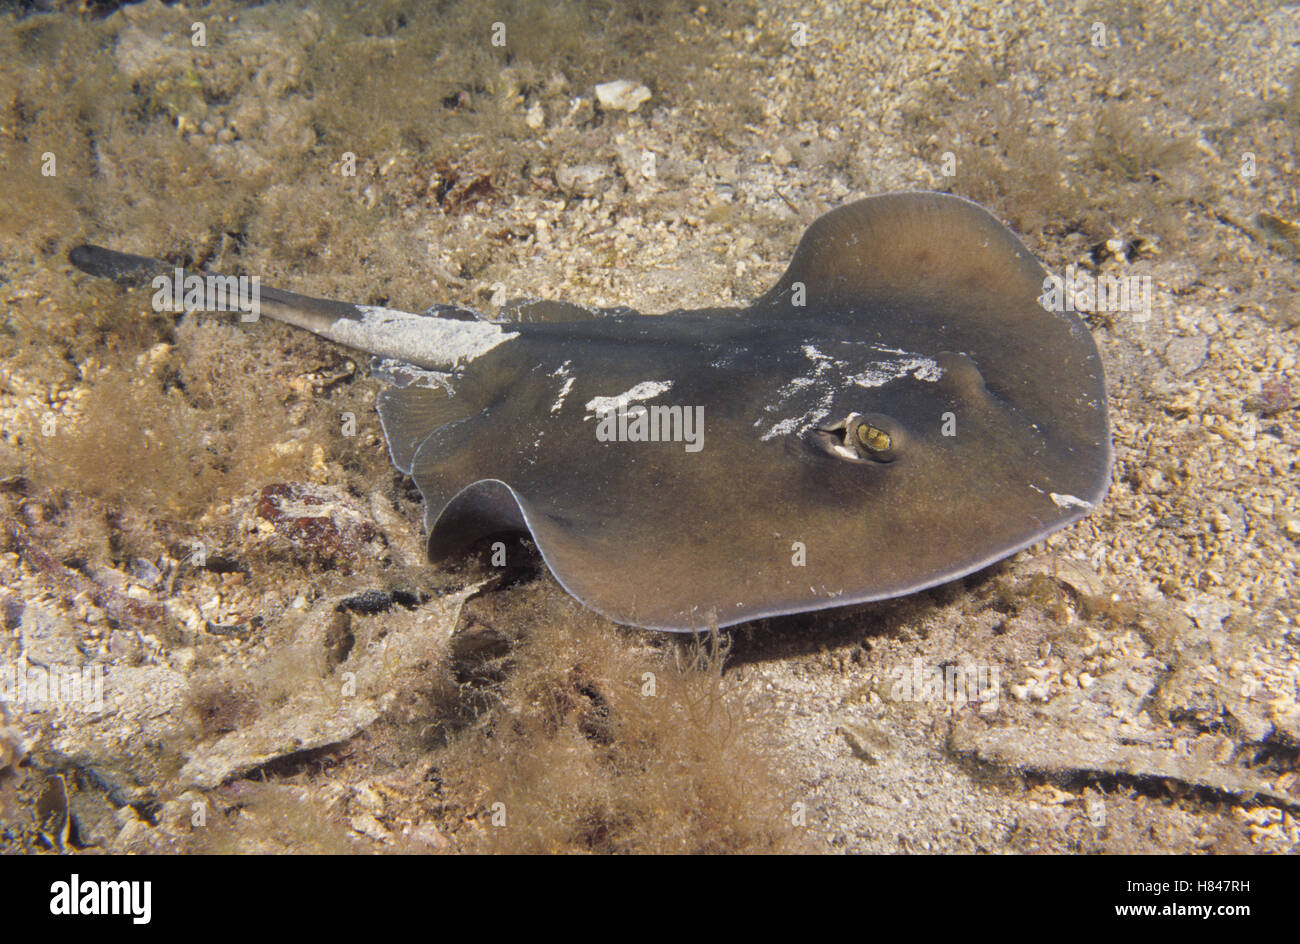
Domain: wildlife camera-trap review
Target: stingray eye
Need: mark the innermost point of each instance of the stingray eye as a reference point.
(873, 438)
(863, 438)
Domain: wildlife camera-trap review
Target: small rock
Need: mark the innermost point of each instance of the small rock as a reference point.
(314, 524)
(868, 740)
(622, 95)
(427, 834)
(143, 53)
(123, 645)
(146, 572)
(535, 117)
(781, 156)
(183, 660)
(581, 111)
(367, 825)
(581, 179)
(49, 637)
(13, 747)
(1252, 728)
(368, 798)
(338, 639)
(1184, 355)
(1275, 396)
(1095, 807)
(11, 610)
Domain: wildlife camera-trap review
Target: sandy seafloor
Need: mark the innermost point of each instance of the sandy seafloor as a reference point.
(254, 701)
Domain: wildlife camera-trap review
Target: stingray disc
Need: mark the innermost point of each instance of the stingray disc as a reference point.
(898, 411)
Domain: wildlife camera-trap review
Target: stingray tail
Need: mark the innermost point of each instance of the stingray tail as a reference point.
(312, 314)
(121, 267)
(441, 339)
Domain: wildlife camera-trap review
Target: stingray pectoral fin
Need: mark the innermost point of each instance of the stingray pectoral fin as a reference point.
(931, 271)
(484, 508)
(409, 415)
(423, 407)
(574, 554)
(911, 246)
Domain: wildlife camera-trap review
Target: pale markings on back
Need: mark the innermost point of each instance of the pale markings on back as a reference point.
(407, 375)
(562, 371)
(418, 339)
(876, 374)
(645, 390)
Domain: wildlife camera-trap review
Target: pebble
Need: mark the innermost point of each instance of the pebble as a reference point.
(367, 825)
(368, 798)
(581, 179)
(427, 834)
(1184, 355)
(622, 95)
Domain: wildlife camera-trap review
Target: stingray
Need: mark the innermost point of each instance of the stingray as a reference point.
(900, 409)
